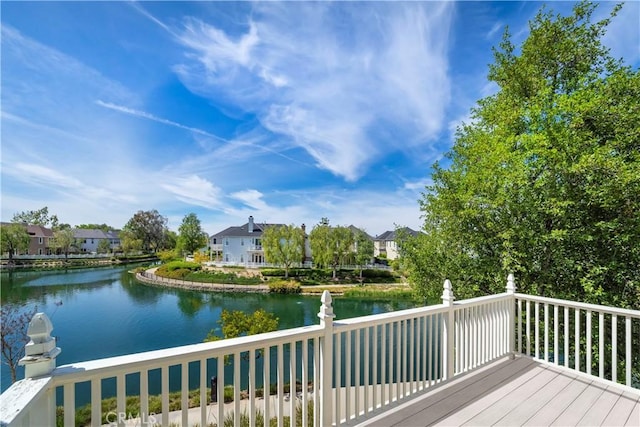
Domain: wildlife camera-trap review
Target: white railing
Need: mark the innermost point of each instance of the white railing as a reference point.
(329, 374)
(593, 339)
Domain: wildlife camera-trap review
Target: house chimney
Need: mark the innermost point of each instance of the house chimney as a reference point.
(250, 226)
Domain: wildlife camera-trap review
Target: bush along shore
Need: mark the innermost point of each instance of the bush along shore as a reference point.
(374, 284)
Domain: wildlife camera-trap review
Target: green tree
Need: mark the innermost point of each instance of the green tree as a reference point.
(284, 245)
(544, 181)
(129, 242)
(330, 245)
(150, 228)
(363, 249)
(104, 246)
(63, 240)
(237, 323)
(37, 217)
(191, 237)
(13, 239)
(103, 227)
(170, 241)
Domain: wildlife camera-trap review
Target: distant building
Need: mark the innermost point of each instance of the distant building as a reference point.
(87, 240)
(39, 239)
(386, 245)
(243, 244)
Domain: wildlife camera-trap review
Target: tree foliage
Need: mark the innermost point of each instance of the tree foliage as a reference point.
(191, 237)
(104, 246)
(330, 245)
(13, 239)
(63, 240)
(237, 323)
(283, 245)
(363, 249)
(129, 243)
(14, 322)
(544, 181)
(103, 227)
(149, 228)
(37, 217)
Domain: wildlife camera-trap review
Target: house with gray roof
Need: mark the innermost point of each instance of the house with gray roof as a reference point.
(243, 244)
(87, 240)
(386, 244)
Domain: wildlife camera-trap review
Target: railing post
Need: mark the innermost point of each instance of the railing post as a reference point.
(511, 290)
(40, 360)
(448, 336)
(40, 351)
(326, 361)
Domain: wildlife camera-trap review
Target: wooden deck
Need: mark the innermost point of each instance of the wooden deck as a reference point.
(517, 392)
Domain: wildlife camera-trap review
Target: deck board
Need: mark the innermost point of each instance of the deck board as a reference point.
(530, 407)
(527, 390)
(598, 413)
(516, 392)
(624, 412)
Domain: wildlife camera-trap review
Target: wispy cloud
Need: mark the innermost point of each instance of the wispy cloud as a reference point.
(50, 178)
(195, 190)
(251, 198)
(149, 116)
(494, 29)
(345, 85)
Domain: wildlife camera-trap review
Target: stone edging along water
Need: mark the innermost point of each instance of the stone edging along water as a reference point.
(148, 277)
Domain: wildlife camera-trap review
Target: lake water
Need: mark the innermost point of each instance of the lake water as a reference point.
(104, 312)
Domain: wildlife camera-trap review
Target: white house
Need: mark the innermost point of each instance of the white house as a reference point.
(386, 244)
(243, 244)
(88, 240)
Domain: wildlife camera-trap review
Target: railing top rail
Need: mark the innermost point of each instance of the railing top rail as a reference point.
(17, 399)
(377, 319)
(172, 356)
(581, 305)
(480, 300)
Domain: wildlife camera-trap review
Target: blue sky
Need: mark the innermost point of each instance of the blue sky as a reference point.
(289, 112)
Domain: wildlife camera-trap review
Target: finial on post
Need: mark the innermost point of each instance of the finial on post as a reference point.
(511, 284)
(41, 351)
(447, 293)
(326, 309)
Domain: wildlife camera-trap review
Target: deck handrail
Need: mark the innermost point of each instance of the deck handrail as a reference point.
(579, 336)
(581, 305)
(346, 368)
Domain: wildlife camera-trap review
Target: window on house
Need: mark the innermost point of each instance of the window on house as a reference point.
(226, 242)
(226, 257)
(40, 251)
(40, 240)
(241, 258)
(241, 242)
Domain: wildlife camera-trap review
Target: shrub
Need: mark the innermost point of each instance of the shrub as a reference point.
(177, 269)
(175, 265)
(272, 272)
(284, 287)
(200, 257)
(220, 277)
(377, 273)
